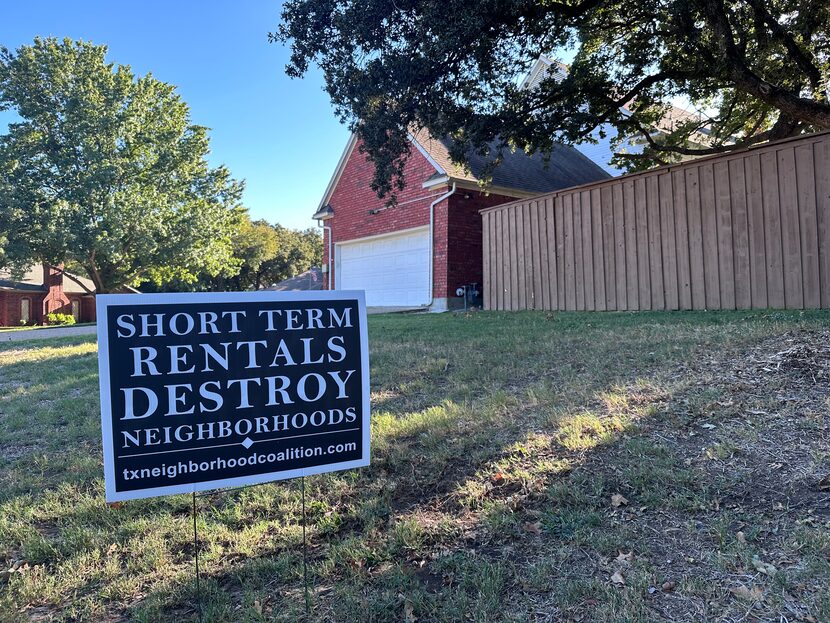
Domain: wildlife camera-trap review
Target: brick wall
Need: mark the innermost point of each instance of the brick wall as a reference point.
(464, 259)
(55, 300)
(88, 309)
(457, 226)
(10, 306)
(353, 199)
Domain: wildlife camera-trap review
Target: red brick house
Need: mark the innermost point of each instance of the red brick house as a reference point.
(419, 252)
(42, 290)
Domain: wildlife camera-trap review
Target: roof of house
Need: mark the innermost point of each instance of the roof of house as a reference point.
(518, 170)
(312, 279)
(33, 279)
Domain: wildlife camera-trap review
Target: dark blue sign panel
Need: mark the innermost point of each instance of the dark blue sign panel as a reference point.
(210, 390)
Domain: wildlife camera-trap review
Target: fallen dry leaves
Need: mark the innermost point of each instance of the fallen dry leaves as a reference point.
(618, 500)
(763, 567)
(534, 527)
(755, 593)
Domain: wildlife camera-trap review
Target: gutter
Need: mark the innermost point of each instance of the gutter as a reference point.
(432, 241)
(326, 228)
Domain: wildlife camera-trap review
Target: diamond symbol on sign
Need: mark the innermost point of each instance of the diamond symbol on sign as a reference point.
(247, 443)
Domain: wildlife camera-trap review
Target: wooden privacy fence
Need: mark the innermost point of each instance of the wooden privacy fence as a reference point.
(746, 230)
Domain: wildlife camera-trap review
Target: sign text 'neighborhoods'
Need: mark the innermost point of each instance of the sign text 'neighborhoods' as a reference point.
(202, 391)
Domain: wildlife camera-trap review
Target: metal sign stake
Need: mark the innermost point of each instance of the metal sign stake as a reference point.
(196, 554)
(305, 554)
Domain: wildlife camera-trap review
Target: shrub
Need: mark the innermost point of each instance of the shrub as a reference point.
(60, 319)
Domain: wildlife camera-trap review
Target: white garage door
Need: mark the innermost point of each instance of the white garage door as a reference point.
(393, 270)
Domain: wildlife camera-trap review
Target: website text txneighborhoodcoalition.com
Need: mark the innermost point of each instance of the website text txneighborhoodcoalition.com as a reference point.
(193, 467)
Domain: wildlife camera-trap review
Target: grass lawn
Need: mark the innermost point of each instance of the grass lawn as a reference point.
(526, 467)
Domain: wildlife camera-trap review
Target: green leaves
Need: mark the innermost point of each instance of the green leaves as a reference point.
(261, 255)
(105, 171)
(757, 69)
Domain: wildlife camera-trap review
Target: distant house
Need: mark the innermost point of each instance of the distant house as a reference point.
(600, 150)
(42, 290)
(418, 252)
(312, 279)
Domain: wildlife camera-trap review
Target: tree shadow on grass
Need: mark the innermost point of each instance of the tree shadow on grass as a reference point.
(430, 525)
(408, 501)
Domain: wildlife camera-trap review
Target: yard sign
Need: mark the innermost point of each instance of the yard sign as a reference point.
(203, 391)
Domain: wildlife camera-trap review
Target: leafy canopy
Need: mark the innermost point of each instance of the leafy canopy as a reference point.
(760, 67)
(264, 254)
(269, 254)
(105, 173)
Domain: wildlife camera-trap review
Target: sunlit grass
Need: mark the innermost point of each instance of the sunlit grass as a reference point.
(482, 498)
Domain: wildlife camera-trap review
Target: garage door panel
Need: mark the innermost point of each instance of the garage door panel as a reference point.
(393, 270)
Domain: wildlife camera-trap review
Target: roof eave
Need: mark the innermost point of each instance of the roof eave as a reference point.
(466, 184)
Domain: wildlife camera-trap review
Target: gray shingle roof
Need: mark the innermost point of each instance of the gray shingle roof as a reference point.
(33, 279)
(521, 171)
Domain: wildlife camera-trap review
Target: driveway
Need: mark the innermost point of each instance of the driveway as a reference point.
(41, 334)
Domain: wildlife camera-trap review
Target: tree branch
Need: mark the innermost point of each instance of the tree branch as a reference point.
(705, 151)
(793, 49)
(802, 109)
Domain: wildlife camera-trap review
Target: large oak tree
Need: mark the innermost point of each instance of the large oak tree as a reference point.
(103, 171)
(759, 68)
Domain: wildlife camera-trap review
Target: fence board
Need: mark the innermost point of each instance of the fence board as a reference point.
(506, 242)
(709, 230)
(620, 273)
(579, 258)
(587, 250)
(821, 162)
(488, 281)
(757, 237)
(791, 237)
(681, 228)
(561, 290)
(655, 245)
(538, 296)
(740, 233)
(550, 254)
(695, 238)
(808, 226)
(667, 234)
(746, 229)
(570, 267)
(521, 252)
(643, 266)
(597, 245)
(632, 270)
(606, 210)
(513, 259)
(723, 223)
(772, 230)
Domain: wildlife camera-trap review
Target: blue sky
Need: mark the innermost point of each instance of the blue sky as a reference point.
(278, 134)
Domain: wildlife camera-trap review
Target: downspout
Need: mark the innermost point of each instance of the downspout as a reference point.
(326, 228)
(432, 242)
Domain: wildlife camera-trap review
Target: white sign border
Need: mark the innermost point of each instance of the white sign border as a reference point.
(103, 301)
